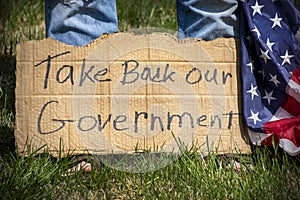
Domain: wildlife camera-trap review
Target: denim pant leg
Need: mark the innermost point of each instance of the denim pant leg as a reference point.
(78, 22)
(207, 19)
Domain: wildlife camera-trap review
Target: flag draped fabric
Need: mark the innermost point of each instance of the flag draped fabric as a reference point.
(270, 59)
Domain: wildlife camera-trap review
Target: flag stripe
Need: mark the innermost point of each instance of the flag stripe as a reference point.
(281, 114)
(284, 129)
(289, 147)
(296, 76)
(257, 138)
(292, 106)
(293, 89)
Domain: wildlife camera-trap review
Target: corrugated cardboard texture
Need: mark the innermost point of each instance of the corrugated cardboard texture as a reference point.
(125, 92)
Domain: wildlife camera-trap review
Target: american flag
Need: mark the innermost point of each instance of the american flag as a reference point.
(270, 57)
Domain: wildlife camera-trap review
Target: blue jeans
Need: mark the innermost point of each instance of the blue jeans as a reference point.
(78, 22)
(207, 19)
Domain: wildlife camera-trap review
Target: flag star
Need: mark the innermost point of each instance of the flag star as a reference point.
(286, 58)
(264, 55)
(256, 8)
(250, 64)
(256, 30)
(269, 96)
(276, 21)
(252, 91)
(254, 117)
(262, 72)
(270, 44)
(274, 79)
(248, 38)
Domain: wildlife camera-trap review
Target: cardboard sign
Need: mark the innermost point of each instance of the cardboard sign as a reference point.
(127, 92)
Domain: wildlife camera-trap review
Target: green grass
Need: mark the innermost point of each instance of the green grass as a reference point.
(190, 177)
(40, 176)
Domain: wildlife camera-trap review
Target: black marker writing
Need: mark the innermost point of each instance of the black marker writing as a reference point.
(48, 60)
(97, 122)
(62, 122)
(157, 75)
(195, 76)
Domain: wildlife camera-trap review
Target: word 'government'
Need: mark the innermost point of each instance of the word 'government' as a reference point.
(120, 122)
(132, 71)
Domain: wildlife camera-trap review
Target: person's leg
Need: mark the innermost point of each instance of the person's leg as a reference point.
(78, 22)
(207, 19)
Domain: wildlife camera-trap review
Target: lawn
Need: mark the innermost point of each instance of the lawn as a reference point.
(267, 173)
